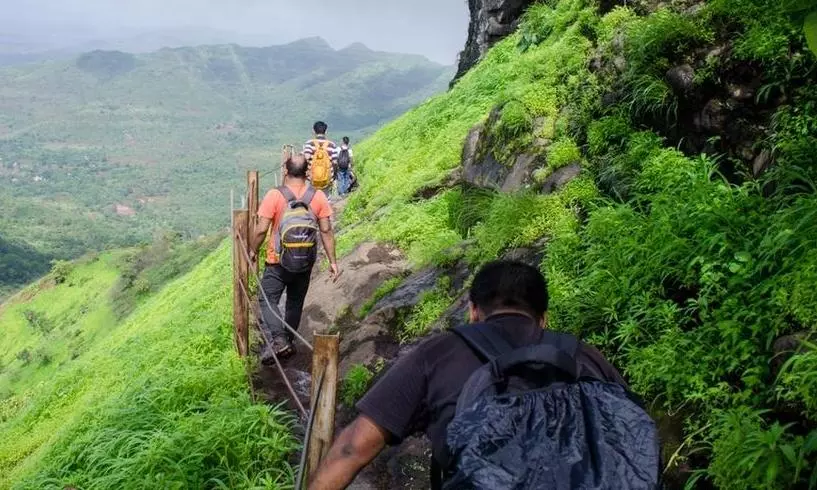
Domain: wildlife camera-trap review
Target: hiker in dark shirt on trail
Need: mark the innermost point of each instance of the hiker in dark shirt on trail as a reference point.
(420, 394)
(285, 273)
(344, 174)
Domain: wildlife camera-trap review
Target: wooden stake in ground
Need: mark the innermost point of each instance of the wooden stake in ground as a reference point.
(252, 203)
(241, 309)
(324, 365)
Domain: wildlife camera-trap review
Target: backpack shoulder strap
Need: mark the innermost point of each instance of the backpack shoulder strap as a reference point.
(562, 341)
(484, 340)
(309, 194)
(288, 195)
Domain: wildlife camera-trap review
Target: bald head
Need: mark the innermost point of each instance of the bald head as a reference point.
(296, 166)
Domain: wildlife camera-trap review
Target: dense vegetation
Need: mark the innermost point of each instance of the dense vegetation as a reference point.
(686, 261)
(105, 150)
(158, 399)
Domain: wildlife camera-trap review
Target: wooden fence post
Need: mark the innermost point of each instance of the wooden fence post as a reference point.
(252, 204)
(324, 363)
(252, 198)
(241, 310)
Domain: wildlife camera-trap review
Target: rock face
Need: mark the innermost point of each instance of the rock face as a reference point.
(561, 177)
(491, 20)
(481, 166)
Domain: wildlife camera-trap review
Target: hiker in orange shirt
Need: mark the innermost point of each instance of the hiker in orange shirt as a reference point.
(292, 216)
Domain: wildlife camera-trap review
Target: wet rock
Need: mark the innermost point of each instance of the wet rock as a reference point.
(561, 177)
(364, 270)
(761, 162)
(671, 434)
(469, 150)
(531, 255)
(520, 173)
(491, 21)
(740, 92)
(620, 63)
(485, 173)
(404, 297)
(785, 347)
(453, 179)
(681, 78)
(407, 467)
(480, 167)
(713, 117)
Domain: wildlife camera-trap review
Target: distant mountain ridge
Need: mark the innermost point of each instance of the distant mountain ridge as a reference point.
(88, 141)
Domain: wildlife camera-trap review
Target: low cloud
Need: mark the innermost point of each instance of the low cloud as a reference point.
(436, 29)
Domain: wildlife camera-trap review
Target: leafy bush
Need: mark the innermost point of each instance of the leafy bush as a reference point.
(38, 321)
(60, 270)
(750, 454)
(797, 381)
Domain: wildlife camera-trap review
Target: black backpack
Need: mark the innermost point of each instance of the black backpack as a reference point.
(526, 420)
(296, 239)
(344, 160)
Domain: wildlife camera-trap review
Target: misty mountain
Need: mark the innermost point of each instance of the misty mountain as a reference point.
(108, 147)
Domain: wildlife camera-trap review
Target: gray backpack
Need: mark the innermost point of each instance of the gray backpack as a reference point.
(296, 242)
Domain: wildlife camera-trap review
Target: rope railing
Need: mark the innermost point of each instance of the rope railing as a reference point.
(320, 418)
(277, 315)
(278, 363)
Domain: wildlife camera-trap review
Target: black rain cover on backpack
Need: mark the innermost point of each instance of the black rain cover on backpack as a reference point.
(525, 420)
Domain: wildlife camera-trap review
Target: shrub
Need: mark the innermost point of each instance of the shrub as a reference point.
(61, 270)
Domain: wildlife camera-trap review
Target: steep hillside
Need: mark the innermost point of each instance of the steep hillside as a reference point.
(660, 155)
(107, 148)
(156, 400)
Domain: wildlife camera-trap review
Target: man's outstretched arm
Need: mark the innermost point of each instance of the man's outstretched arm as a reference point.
(328, 239)
(356, 447)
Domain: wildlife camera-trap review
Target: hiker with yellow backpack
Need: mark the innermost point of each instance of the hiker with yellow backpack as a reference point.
(322, 155)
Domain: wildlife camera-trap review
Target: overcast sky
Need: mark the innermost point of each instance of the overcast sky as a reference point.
(435, 28)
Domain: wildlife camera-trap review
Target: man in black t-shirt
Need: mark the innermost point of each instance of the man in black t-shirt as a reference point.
(419, 393)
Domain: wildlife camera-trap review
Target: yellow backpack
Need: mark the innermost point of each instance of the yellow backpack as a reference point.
(321, 165)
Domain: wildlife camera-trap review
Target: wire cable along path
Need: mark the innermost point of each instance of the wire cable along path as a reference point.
(320, 418)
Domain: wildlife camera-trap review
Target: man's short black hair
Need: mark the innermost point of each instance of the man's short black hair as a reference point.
(345, 140)
(320, 127)
(296, 166)
(509, 285)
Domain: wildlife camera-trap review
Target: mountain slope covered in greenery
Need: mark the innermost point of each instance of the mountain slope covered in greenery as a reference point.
(108, 148)
(154, 399)
(684, 249)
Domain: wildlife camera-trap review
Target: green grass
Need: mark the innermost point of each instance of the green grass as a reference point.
(432, 304)
(157, 400)
(682, 278)
(355, 384)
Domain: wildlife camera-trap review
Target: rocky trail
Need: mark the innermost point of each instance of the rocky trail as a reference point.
(370, 338)
(336, 307)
